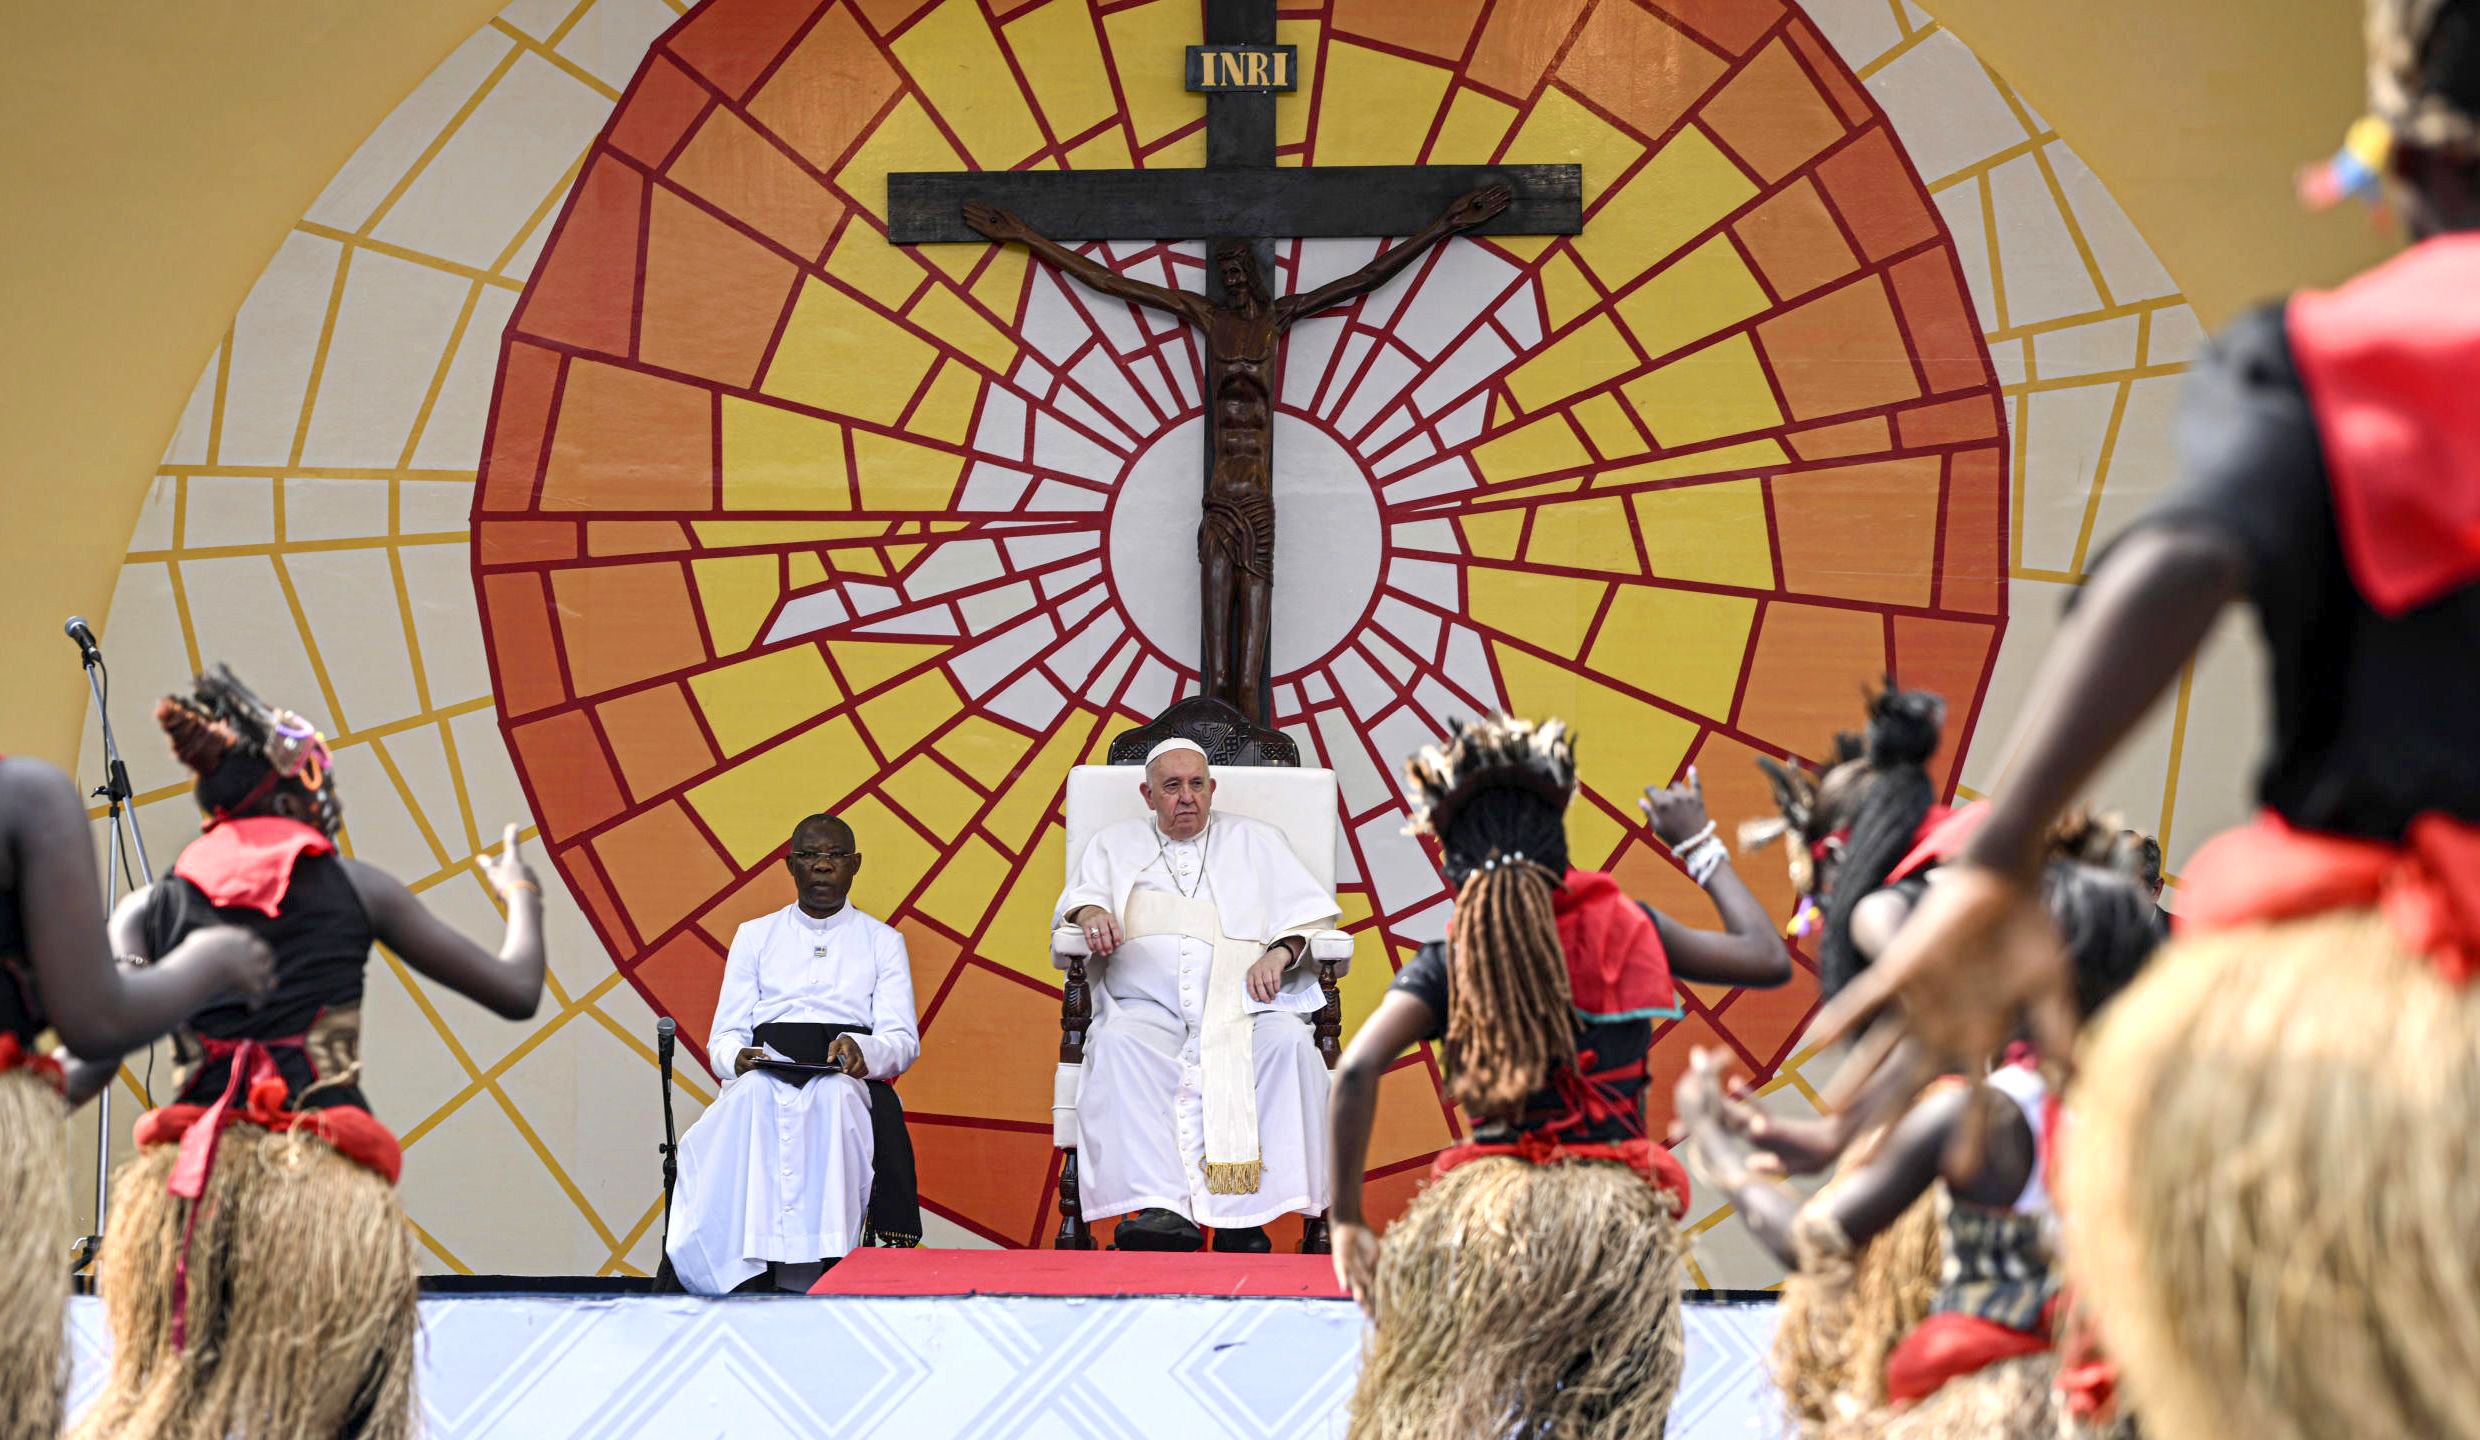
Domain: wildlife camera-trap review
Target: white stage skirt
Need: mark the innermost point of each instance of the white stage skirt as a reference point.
(985, 1367)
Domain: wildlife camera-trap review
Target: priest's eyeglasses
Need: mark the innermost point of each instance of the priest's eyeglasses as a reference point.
(824, 857)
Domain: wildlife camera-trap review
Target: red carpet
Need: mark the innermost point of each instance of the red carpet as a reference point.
(1079, 1272)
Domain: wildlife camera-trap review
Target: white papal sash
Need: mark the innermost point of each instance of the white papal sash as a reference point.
(1226, 1049)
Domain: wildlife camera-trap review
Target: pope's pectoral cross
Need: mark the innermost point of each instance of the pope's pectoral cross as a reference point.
(1235, 203)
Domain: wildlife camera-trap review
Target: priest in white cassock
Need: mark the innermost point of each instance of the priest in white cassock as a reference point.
(1204, 1098)
(775, 1176)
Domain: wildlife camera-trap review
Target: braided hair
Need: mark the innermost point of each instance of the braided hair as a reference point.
(1884, 817)
(1495, 797)
(2093, 887)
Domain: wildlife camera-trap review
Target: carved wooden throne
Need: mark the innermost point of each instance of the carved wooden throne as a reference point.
(1257, 773)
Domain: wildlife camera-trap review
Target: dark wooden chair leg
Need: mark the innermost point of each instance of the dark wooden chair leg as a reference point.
(1076, 1012)
(1074, 1233)
(1328, 1027)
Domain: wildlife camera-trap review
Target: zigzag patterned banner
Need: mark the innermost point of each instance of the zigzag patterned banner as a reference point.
(987, 1367)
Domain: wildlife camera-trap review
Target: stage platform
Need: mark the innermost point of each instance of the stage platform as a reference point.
(973, 1345)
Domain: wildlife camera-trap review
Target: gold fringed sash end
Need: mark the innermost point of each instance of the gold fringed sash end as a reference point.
(1233, 1177)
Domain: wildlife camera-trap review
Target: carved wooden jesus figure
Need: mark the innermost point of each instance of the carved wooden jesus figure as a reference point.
(1235, 540)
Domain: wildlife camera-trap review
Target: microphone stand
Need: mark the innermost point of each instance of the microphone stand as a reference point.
(670, 1147)
(116, 793)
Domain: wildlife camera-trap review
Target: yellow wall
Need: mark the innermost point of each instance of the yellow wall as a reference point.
(153, 153)
(118, 122)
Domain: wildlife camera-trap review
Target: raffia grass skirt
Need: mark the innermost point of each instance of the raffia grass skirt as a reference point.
(301, 1299)
(1539, 1301)
(34, 1258)
(2272, 1188)
(1841, 1314)
(2011, 1400)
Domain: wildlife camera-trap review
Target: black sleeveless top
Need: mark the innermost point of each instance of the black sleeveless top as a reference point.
(21, 1009)
(321, 937)
(1557, 1110)
(2375, 718)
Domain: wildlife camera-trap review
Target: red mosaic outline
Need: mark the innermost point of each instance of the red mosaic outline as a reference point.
(1341, 377)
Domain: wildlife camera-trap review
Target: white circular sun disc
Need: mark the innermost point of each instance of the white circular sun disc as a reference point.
(1328, 544)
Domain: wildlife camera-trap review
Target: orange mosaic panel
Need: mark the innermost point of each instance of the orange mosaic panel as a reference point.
(1771, 115)
(1438, 28)
(1860, 532)
(569, 300)
(1643, 71)
(714, 294)
(1794, 241)
(762, 497)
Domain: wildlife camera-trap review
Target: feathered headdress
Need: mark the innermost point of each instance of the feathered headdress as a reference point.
(1485, 754)
(222, 722)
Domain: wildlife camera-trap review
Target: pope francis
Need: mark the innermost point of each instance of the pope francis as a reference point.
(1204, 1099)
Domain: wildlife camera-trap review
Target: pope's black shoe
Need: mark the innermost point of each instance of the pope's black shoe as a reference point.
(1252, 1241)
(1157, 1229)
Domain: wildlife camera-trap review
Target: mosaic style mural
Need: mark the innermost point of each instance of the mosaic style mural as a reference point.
(1850, 367)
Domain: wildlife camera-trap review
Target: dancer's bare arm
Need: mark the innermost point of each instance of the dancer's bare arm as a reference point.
(1398, 1024)
(1875, 1193)
(508, 984)
(100, 1008)
(1747, 950)
(1977, 953)
(1795, 1145)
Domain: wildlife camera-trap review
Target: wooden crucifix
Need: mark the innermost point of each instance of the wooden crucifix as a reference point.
(1237, 203)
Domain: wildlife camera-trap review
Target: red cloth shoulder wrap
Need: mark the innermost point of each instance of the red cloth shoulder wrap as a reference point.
(1657, 1164)
(1939, 838)
(15, 1056)
(1616, 967)
(2428, 886)
(2388, 361)
(249, 861)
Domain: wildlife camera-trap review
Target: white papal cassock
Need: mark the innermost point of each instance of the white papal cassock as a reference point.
(1177, 1051)
(776, 1171)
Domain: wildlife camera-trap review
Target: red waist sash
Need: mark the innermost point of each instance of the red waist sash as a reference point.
(15, 1056)
(1948, 1346)
(1660, 1168)
(2428, 887)
(264, 1097)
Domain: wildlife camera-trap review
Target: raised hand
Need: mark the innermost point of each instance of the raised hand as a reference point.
(997, 224)
(1678, 813)
(1478, 206)
(1702, 1098)
(509, 873)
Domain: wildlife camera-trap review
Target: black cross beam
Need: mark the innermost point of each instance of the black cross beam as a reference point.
(1240, 192)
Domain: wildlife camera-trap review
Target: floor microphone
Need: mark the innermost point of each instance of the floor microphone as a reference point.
(664, 1030)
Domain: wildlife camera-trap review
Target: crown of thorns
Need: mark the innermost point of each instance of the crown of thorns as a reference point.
(1486, 754)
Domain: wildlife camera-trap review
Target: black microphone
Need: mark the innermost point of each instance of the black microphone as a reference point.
(84, 634)
(664, 1030)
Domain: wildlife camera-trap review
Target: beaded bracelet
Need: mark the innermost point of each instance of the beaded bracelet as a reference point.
(1699, 838)
(1703, 859)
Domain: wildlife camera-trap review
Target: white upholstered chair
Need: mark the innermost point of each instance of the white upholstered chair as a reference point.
(1300, 803)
